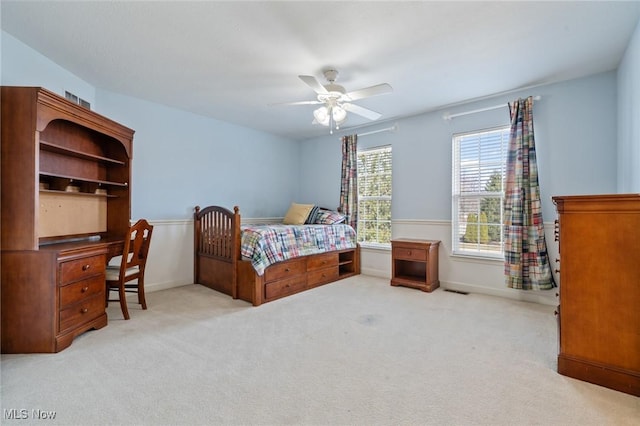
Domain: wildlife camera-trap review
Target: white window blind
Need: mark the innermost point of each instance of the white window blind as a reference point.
(479, 166)
(374, 196)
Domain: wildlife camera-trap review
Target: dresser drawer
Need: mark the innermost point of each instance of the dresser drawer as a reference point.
(285, 287)
(409, 253)
(285, 269)
(79, 290)
(81, 312)
(322, 276)
(320, 261)
(79, 269)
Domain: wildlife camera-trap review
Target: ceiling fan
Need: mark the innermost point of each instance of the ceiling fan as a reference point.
(336, 101)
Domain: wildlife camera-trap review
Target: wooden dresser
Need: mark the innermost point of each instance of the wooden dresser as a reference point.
(599, 312)
(66, 205)
(414, 263)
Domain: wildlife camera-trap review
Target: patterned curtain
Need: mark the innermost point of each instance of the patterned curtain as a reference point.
(525, 249)
(349, 181)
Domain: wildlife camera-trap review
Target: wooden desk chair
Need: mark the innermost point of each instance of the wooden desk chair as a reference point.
(132, 266)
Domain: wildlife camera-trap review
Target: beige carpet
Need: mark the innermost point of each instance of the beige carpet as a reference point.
(356, 352)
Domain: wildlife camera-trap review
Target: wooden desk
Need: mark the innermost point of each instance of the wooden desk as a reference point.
(114, 245)
(55, 293)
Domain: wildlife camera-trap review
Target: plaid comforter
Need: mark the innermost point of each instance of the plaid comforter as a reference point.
(268, 244)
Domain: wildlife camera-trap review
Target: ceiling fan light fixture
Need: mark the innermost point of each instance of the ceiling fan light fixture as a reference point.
(322, 115)
(339, 114)
(337, 102)
(328, 116)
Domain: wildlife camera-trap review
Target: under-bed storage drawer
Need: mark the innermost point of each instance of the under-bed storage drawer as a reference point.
(322, 276)
(286, 269)
(285, 287)
(322, 261)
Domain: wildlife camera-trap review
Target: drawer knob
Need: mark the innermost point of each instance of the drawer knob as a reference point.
(286, 270)
(85, 267)
(84, 310)
(84, 289)
(409, 252)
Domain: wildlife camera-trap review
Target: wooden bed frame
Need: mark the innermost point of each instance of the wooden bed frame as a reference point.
(218, 263)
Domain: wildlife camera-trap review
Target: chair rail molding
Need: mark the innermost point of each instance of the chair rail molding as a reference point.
(171, 259)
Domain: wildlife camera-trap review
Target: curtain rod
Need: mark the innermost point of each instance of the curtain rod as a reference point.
(448, 116)
(388, 129)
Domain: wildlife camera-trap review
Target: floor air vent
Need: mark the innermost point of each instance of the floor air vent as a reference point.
(456, 291)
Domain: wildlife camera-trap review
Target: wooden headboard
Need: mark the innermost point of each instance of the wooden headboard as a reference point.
(216, 237)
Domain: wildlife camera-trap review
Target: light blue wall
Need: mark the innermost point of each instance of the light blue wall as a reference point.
(179, 159)
(23, 66)
(629, 117)
(575, 128)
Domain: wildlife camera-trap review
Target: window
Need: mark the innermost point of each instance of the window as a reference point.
(479, 165)
(374, 196)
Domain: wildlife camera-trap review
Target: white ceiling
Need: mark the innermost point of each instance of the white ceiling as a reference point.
(230, 60)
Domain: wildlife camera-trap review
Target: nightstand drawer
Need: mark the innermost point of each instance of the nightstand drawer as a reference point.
(75, 270)
(409, 253)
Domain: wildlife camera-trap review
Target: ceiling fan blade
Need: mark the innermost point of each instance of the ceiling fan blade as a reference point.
(314, 84)
(297, 103)
(356, 109)
(379, 89)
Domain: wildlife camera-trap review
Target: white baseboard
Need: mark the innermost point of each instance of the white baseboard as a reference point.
(157, 286)
(545, 297)
(380, 273)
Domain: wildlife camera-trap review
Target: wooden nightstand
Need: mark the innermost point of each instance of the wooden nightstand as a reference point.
(414, 263)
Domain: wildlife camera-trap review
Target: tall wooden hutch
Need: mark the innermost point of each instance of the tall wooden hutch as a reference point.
(66, 206)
